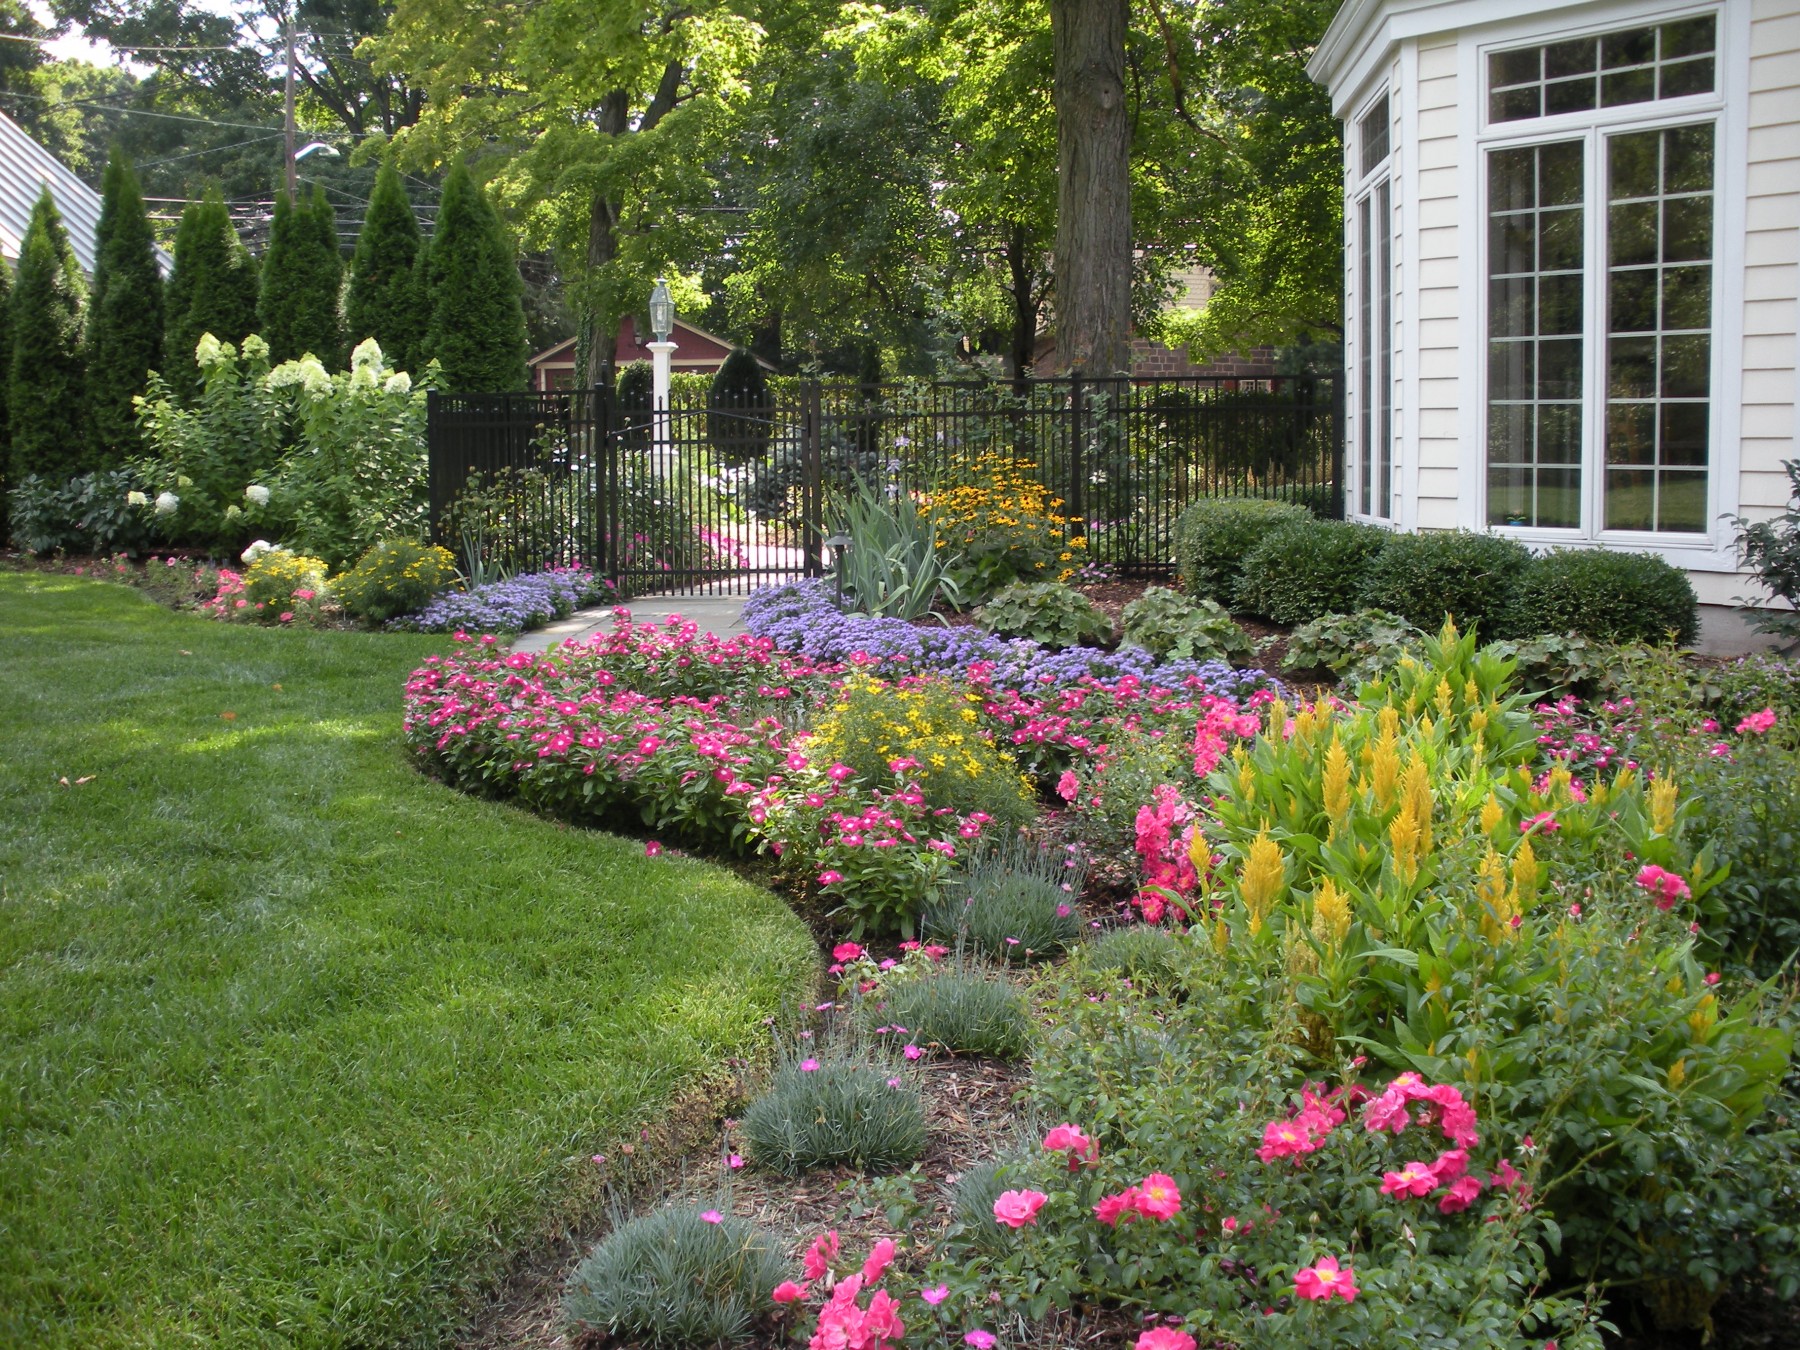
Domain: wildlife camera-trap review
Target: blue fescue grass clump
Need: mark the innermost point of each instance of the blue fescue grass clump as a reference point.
(677, 1277)
(516, 605)
(1136, 952)
(1015, 902)
(841, 1105)
(959, 1009)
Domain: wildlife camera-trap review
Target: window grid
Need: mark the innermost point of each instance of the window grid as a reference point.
(1659, 285)
(1536, 326)
(1631, 65)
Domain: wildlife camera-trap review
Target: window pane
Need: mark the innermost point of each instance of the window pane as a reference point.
(1560, 174)
(1631, 433)
(1559, 433)
(1509, 431)
(1684, 433)
(1506, 68)
(1681, 502)
(1627, 86)
(1510, 371)
(1631, 301)
(1687, 297)
(1687, 229)
(1633, 65)
(1372, 132)
(1509, 496)
(1514, 245)
(1559, 240)
(1688, 37)
(1512, 180)
(1630, 499)
(1686, 366)
(1686, 77)
(1631, 47)
(1566, 96)
(1631, 368)
(1559, 368)
(1571, 58)
(1559, 304)
(1688, 165)
(1559, 498)
(1514, 104)
(1632, 166)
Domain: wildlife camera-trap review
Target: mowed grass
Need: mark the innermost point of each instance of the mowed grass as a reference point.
(296, 1046)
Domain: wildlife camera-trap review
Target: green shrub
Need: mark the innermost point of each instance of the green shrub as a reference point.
(962, 1011)
(1608, 596)
(90, 513)
(395, 577)
(1011, 903)
(1140, 952)
(972, 1221)
(1752, 683)
(1554, 663)
(1354, 647)
(1168, 625)
(1474, 578)
(840, 1110)
(1305, 569)
(1213, 535)
(672, 1278)
(275, 578)
(1771, 549)
(740, 417)
(1047, 612)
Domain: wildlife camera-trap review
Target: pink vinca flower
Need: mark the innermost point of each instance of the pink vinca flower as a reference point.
(1016, 1209)
(1326, 1279)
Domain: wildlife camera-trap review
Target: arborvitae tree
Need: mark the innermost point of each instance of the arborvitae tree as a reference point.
(383, 300)
(742, 433)
(477, 326)
(213, 289)
(125, 314)
(47, 401)
(302, 274)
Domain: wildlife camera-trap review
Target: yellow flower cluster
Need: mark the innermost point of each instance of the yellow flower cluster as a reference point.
(276, 575)
(994, 505)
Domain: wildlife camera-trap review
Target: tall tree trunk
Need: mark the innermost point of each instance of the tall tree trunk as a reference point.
(602, 248)
(1093, 196)
(1022, 344)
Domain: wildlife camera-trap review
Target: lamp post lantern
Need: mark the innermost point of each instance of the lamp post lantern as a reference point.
(662, 323)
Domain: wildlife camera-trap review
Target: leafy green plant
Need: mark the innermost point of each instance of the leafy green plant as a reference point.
(1167, 624)
(1553, 663)
(90, 513)
(1302, 570)
(894, 565)
(1214, 534)
(740, 417)
(1014, 902)
(1138, 952)
(832, 1107)
(1752, 683)
(972, 1221)
(676, 1278)
(1607, 596)
(395, 577)
(964, 1011)
(1047, 612)
(1473, 578)
(1354, 647)
(1771, 549)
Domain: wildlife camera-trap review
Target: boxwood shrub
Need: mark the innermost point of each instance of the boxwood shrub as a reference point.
(1304, 569)
(1474, 578)
(1212, 537)
(1607, 596)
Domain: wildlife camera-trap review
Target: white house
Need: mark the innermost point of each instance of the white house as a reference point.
(1571, 264)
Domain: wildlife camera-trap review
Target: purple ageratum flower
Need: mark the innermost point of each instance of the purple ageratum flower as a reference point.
(515, 605)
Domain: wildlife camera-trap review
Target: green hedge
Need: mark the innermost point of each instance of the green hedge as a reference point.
(1305, 569)
(1609, 597)
(1213, 535)
(1474, 578)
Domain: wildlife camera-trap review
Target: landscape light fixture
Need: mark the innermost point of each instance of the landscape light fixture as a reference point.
(839, 544)
(662, 311)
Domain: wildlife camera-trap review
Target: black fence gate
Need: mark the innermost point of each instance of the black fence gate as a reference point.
(709, 499)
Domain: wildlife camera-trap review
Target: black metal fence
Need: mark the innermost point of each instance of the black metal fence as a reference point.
(700, 498)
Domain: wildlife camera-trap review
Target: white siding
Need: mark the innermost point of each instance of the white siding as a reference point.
(1771, 292)
(1441, 298)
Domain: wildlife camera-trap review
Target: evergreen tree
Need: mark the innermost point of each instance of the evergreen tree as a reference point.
(213, 289)
(383, 300)
(302, 274)
(46, 402)
(477, 325)
(125, 314)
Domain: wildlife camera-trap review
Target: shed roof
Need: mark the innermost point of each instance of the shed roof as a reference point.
(26, 168)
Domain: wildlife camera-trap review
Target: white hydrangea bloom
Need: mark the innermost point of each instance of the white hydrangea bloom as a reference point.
(398, 383)
(255, 349)
(208, 350)
(257, 495)
(136, 499)
(365, 377)
(166, 503)
(233, 511)
(314, 376)
(256, 550)
(367, 353)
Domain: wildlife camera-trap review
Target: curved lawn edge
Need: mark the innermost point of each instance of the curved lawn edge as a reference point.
(296, 1043)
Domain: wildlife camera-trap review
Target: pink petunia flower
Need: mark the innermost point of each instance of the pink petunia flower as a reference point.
(1326, 1279)
(1016, 1209)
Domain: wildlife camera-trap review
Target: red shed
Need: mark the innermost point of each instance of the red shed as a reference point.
(697, 352)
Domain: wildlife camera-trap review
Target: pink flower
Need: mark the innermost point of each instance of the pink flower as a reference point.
(1157, 1196)
(1326, 1279)
(1712, 977)
(734, 1162)
(1067, 1139)
(286, 616)
(1460, 1196)
(652, 849)
(1290, 1138)
(837, 773)
(1115, 1209)
(1068, 787)
(1665, 887)
(1450, 1165)
(936, 1295)
(830, 877)
(1505, 1177)
(881, 1256)
(1164, 1338)
(1414, 1179)
(981, 1340)
(1543, 822)
(789, 1292)
(1757, 723)
(913, 1052)
(712, 1216)
(304, 594)
(824, 1250)
(809, 1066)
(1016, 1209)
(846, 951)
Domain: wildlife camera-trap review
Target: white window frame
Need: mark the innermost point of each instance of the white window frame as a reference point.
(1361, 187)
(1726, 108)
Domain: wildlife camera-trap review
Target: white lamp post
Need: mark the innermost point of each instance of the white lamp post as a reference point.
(662, 323)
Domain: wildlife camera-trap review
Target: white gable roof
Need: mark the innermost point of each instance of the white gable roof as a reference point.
(25, 169)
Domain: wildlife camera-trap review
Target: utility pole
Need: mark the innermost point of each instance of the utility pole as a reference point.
(293, 177)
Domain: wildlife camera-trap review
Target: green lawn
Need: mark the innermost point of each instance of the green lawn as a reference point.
(296, 1046)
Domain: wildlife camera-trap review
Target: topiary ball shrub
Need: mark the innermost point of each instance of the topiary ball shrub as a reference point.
(635, 390)
(1213, 535)
(1609, 597)
(1305, 569)
(673, 1278)
(1138, 952)
(962, 1011)
(1047, 612)
(395, 577)
(740, 418)
(1474, 578)
(823, 1111)
(1169, 625)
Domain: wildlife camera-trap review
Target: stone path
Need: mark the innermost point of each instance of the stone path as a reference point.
(714, 613)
